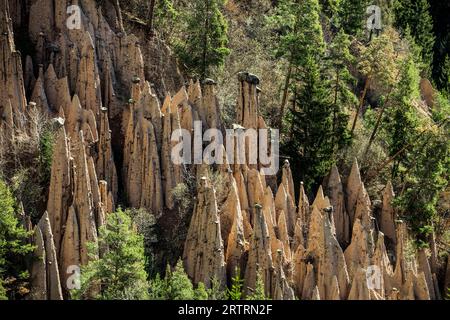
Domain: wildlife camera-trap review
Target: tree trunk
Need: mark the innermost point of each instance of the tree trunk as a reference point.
(380, 117)
(285, 96)
(150, 16)
(361, 102)
(335, 107)
(205, 41)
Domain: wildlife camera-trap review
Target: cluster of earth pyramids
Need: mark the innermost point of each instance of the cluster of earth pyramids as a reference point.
(92, 83)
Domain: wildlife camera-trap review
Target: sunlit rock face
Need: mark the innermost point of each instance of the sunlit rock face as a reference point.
(115, 105)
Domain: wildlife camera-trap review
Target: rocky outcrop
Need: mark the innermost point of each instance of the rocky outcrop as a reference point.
(247, 107)
(387, 223)
(114, 102)
(335, 191)
(60, 185)
(45, 272)
(203, 254)
(260, 254)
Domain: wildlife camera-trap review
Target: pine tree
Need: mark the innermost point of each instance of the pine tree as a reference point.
(341, 79)
(205, 44)
(300, 36)
(377, 63)
(426, 177)
(258, 293)
(329, 7)
(444, 78)
(180, 287)
(216, 292)
(2, 292)
(310, 146)
(235, 292)
(352, 16)
(120, 272)
(401, 119)
(13, 246)
(175, 285)
(200, 293)
(415, 15)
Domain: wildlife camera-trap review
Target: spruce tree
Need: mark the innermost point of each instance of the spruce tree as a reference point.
(401, 119)
(259, 292)
(205, 43)
(444, 78)
(415, 15)
(200, 293)
(175, 285)
(235, 291)
(329, 7)
(119, 274)
(341, 81)
(352, 16)
(2, 292)
(311, 139)
(426, 178)
(300, 35)
(13, 246)
(310, 145)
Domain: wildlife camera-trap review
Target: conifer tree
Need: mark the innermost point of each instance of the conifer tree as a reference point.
(377, 63)
(216, 291)
(235, 291)
(352, 16)
(426, 178)
(317, 125)
(401, 119)
(175, 286)
(311, 140)
(205, 44)
(415, 15)
(200, 293)
(120, 272)
(300, 36)
(2, 292)
(258, 293)
(341, 80)
(13, 246)
(329, 7)
(444, 78)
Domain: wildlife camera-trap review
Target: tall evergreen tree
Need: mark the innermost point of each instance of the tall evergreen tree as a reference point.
(300, 36)
(2, 292)
(401, 119)
(13, 246)
(329, 7)
(352, 16)
(311, 139)
(415, 15)
(341, 80)
(426, 178)
(176, 286)
(444, 78)
(259, 291)
(205, 44)
(310, 146)
(120, 271)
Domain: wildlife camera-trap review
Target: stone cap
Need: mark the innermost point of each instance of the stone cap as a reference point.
(248, 77)
(209, 82)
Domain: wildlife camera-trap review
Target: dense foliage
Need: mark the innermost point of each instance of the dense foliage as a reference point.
(13, 247)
